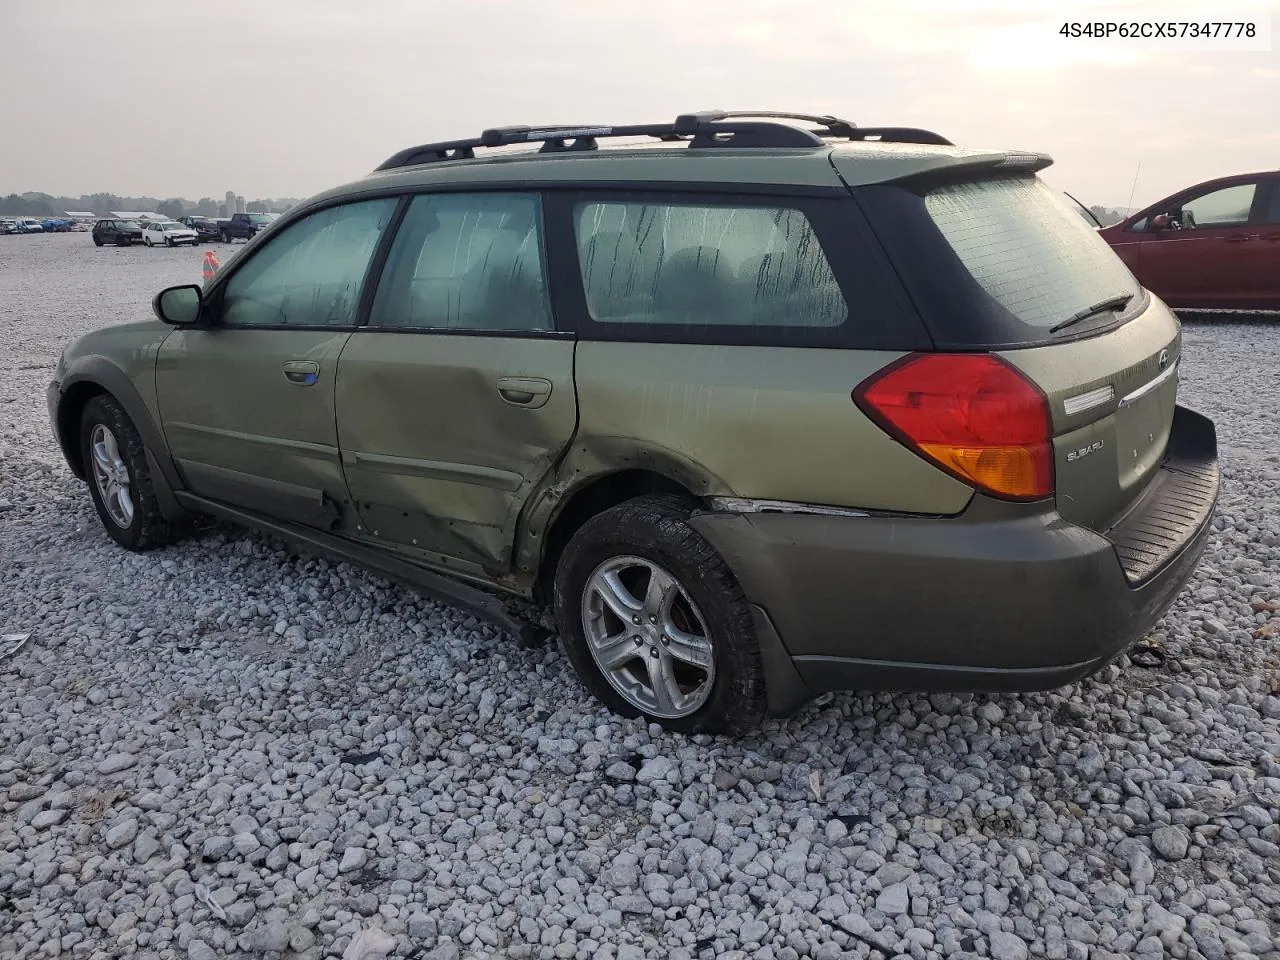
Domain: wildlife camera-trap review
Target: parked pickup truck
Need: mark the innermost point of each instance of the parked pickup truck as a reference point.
(241, 226)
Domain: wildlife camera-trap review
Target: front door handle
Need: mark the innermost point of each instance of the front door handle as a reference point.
(1237, 238)
(302, 373)
(530, 392)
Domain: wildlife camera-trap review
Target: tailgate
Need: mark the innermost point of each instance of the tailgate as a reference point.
(1112, 399)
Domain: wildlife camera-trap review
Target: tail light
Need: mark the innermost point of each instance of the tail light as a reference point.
(971, 414)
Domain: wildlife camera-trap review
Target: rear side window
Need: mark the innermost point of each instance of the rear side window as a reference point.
(996, 262)
(702, 265)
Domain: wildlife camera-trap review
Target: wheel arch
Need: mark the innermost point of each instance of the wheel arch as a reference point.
(97, 376)
(588, 498)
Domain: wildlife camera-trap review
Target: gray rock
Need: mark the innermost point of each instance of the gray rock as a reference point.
(655, 769)
(48, 818)
(353, 858)
(893, 900)
(122, 834)
(199, 950)
(1007, 946)
(116, 763)
(1171, 843)
(240, 913)
(272, 935)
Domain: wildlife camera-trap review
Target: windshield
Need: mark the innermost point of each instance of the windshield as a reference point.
(258, 217)
(172, 226)
(999, 261)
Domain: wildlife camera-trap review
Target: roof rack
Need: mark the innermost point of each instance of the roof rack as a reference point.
(704, 129)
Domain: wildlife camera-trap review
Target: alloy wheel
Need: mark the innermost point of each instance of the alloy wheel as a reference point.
(111, 476)
(648, 638)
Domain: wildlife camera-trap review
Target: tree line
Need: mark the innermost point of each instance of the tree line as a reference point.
(47, 205)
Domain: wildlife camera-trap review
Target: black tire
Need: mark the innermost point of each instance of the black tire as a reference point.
(124, 242)
(223, 237)
(168, 242)
(148, 528)
(655, 528)
(97, 242)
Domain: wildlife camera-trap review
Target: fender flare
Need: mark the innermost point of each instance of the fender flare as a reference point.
(104, 374)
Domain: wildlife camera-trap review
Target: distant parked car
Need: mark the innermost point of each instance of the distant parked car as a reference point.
(56, 225)
(206, 228)
(168, 232)
(120, 232)
(1215, 245)
(23, 225)
(6, 227)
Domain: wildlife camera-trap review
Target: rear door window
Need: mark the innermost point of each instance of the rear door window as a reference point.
(466, 261)
(998, 261)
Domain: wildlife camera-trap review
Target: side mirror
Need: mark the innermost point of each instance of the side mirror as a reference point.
(179, 306)
(1160, 222)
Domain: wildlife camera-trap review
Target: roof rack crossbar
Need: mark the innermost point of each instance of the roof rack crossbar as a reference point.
(704, 129)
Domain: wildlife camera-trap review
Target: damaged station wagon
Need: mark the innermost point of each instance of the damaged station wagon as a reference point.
(762, 406)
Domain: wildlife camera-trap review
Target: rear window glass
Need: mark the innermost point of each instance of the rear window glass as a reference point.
(1026, 249)
(996, 262)
(715, 265)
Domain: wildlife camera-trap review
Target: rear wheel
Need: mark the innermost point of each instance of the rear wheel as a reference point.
(119, 478)
(656, 624)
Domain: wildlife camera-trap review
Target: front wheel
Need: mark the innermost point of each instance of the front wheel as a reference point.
(655, 622)
(168, 242)
(97, 242)
(223, 237)
(119, 478)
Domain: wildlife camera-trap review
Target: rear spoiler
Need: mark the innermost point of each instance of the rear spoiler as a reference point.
(907, 165)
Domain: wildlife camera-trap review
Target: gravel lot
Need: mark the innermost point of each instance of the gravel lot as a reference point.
(222, 749)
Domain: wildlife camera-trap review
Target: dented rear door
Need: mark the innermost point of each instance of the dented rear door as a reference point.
(457, 399)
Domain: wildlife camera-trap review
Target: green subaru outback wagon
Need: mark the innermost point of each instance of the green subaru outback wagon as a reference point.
(761, 406)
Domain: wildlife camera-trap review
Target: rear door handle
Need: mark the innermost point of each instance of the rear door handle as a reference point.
(302, 373)
(530, 392)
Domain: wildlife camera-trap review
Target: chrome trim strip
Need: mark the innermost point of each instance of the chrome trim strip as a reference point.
(1150, 385)
(1087, 401)
(745, 505)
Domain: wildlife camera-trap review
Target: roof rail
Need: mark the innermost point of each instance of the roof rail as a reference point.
(705, 129)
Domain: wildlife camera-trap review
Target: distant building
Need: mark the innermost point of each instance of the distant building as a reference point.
(240, 205)
(135, 215)
(80, 216)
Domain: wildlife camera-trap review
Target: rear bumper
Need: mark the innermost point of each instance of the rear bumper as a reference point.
(1003, 597)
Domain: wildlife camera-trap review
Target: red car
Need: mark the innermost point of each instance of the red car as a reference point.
(1215, 245)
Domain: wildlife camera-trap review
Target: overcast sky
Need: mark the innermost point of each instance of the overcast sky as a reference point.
(275, 98)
